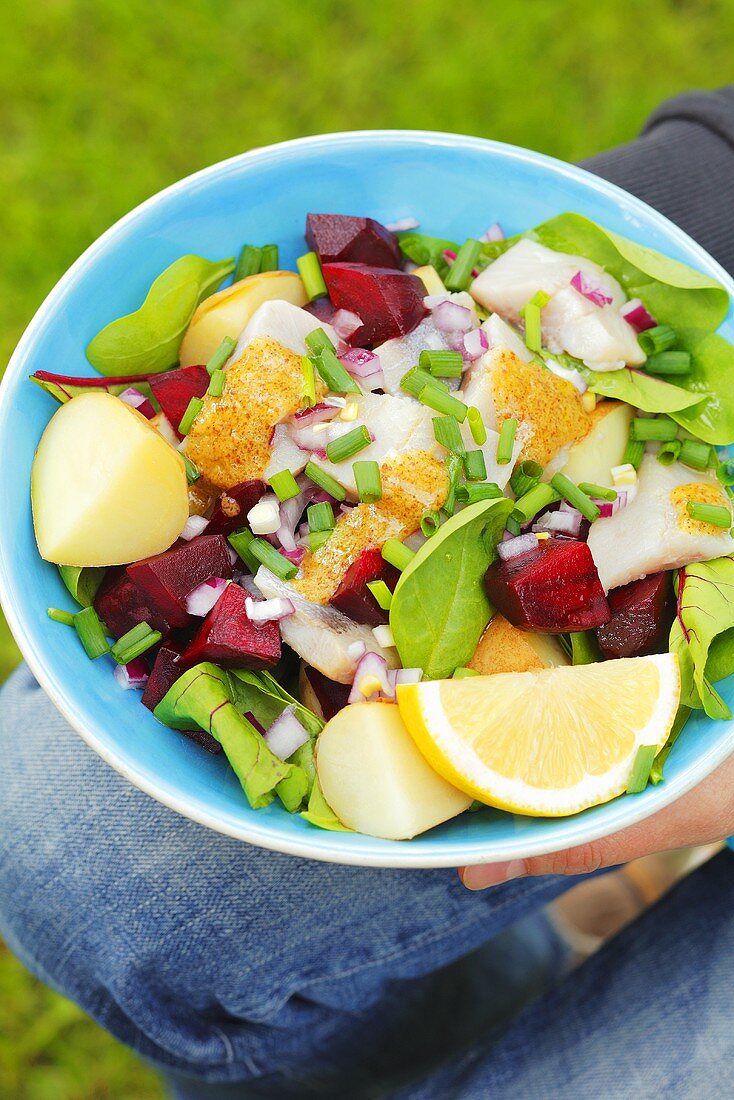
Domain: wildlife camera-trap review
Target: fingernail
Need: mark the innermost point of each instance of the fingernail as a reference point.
(479, 878)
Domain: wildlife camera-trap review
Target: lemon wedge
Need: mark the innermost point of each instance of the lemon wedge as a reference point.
(548, 742)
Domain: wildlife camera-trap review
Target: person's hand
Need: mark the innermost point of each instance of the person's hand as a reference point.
(704, 815)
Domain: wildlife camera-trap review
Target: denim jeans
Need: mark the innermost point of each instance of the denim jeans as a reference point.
(243, 973)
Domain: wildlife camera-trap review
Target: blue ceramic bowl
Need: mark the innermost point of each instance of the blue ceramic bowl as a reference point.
(455, 186)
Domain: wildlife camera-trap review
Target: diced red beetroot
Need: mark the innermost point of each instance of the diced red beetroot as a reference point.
(323, 308)
(174, 389)
(551, 589)
(642, 615)
(164, 673)
(228, 637)
(332, 697)
(354, 598)
(230, 511)
(201, 737)
(389, 302)
(340, 238)
(121, 605)
(167, 578)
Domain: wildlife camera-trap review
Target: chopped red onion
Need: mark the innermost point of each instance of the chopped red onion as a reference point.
(361, 363)
(636, 315)
(139, 401)
(201, 600)
(295, 556)
(403, 225)
(520, 544)
(286, 734)
(269, 611)
(285, 538)
(194, 526)
(560, 522)
(450, 317)
(371, 679)
(475, 344)
(449, 255)
(306, 418)
(345, 323)
(592, 293)
(133, 675)
(494, 233)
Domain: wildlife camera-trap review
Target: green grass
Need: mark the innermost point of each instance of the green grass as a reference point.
(103, 102)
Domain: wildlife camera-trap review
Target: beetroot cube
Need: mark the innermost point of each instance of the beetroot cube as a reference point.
(167, 578)
(389, 302)
(354, 598)
(323, 308)
(229, 638)
(166, 670)
(642, 615)
(121, 605)
(230, 511)
(340, 238)
(332, 697)
(552, 589)
(174, 389)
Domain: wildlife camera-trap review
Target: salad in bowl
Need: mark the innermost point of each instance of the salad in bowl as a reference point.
(419, 527)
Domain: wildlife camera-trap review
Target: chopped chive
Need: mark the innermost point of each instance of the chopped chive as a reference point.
(346, 446)
(599, 491)
(475, 468)
(192, 471)
(325, 481)
(641, 768)
(668, 453)
(715, 514)
(460, 271)
(317, 341)
(320, 517)
(506, 441)
(309, 382)
(221, 355)
(694, 454)
(193, 409)
(270, 258)
(575, 496)
(134, 635)
(485, 490)
(317, 539)
(395, 553)
(659, 338)
(60, 616)
(462, 673)
(443, 402)
(531, 314)
(532, 502)
(248, 262)
(312, 276)
(335, 375)
(88, 626)
(284, 485)
(216, 385)
(454, 468)
(669, 362)
(476, 426)
(525, 477)
(135, 643)
(660, 428)
(633, 453)
(430, 523)
(448, 433)
(268, 556)
(382, 594)
(725, 473)
(240, 541)
(416, 379)
(513, 524)
(368, 480)
(442, 364)
(584, 648)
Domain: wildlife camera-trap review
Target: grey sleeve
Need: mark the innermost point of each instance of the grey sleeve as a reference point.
(683, 165)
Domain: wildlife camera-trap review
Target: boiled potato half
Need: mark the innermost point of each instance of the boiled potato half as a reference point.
(227, 312)
(106, 488)
(592, 458)
(375, 779)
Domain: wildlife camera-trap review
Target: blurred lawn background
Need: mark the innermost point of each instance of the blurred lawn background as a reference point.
(103, 102)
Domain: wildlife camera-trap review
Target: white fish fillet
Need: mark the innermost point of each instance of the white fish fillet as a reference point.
(397, 356)
(284, 454)
(597, 335)
(321, 634)
(284, 322)
(502, 335)
(645, 537)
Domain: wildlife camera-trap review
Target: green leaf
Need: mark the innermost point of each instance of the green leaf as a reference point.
(148, 340)
(320, 813)
(639, 389)
(584, 648)
(440, 608)
(705, 611)
(63, 388)
(712, 381)
(656, 772)
(203, 696)
(82, 583)
(423, 250)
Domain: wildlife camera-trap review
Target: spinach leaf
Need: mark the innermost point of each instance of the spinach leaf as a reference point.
(82, 583)
(320, 813)
(712, 380)
(439, 608)
(639, 389)
(426, 250)
(63, 387)
(148, 340)
(656, 772)
(705, 612)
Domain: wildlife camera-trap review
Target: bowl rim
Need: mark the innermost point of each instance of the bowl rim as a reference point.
(329, 846)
